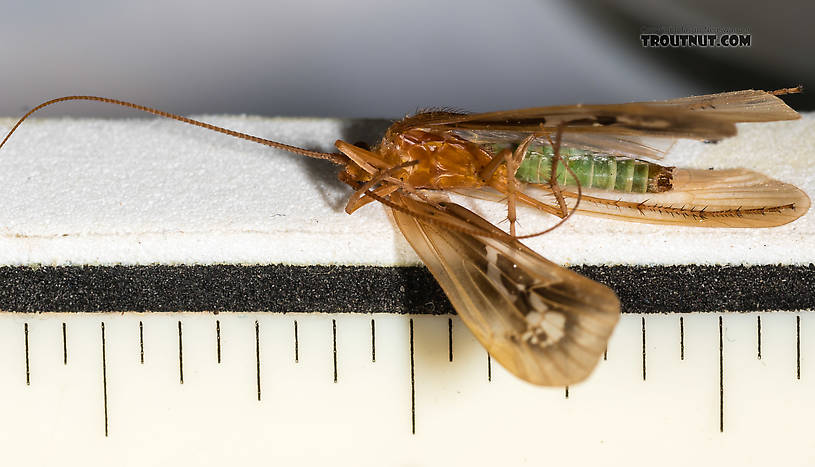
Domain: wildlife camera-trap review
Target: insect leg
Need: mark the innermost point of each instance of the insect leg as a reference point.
(535, 203)
(553, 176)
(408, 188)
(564, 212)
(355, 201)
(512, 188)
(488, 170)
(366, 160)
(383, 191)
(512, 183)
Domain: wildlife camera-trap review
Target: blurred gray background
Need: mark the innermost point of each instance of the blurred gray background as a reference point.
(385, 59)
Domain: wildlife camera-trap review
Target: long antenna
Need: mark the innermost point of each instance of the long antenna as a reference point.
(333, 157)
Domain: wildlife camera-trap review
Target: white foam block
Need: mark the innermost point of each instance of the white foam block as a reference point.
(83, 191)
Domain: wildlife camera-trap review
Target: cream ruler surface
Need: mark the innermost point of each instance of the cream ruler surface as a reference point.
(384, 389)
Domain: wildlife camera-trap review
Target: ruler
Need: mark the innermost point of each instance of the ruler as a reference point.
(156, 388)
(98, 368)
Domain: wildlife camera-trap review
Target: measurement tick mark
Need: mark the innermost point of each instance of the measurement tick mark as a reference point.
(373, 341)
(64, 345)
(141, 342)
(681, 338)
(104, 380)
(334, 338)
(296, 344)
(27, 369)
(797, 346)
(180, 356)
(218, 339)
(257, 356)
(489, 367)
(721, 379)
(450, 339)
(643, 348)
(567, 392)
(412, 385)
(758, 335)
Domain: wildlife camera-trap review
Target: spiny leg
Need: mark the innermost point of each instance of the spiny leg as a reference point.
(553, 174)
(513, 163)
(357, 199)
(390, 185)
(486, 172)
(408, 188)
(512, 188)
(534, 202)
(564, 212)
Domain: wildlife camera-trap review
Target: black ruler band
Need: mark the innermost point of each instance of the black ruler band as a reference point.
(371, 289)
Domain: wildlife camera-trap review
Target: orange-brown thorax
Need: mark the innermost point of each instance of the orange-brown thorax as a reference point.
(444, 161)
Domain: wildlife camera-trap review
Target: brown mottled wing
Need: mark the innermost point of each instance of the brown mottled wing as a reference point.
(650, 119)
(640, 129)
(749, 105)
(703, 198)
(543, 323)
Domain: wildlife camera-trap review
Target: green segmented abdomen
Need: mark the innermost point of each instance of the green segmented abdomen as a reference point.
(594, 170)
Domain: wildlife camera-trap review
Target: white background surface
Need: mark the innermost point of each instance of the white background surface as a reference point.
(147, 191)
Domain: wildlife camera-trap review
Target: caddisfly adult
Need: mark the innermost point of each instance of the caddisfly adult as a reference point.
(544, 323)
